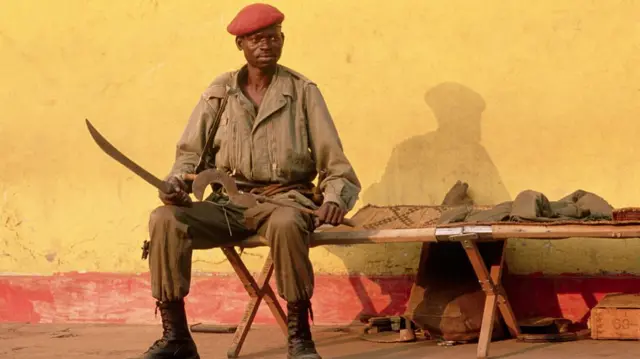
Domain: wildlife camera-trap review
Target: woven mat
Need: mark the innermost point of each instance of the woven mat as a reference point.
(411, 217)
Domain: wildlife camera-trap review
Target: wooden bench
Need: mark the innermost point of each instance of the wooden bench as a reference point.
(468, 235)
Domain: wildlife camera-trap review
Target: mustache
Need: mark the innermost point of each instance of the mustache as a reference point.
(268, 54)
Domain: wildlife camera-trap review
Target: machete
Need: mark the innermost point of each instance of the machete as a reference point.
(124, 160)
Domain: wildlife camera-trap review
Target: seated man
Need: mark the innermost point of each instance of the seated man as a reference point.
(274, 129)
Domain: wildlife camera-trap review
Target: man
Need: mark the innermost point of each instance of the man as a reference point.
(275, 135)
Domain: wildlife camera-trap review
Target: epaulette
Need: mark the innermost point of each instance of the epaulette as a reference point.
(218, 87)
(214, 91)
(298, 75)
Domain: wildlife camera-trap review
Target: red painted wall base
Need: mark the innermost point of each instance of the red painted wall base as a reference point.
(220, 299)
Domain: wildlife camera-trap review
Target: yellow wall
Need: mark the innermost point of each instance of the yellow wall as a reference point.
(560, 81)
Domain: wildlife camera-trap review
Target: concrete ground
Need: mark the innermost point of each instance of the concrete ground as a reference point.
(26, 341)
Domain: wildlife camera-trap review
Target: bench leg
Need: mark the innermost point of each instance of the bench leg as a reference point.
(490, 280)
(257, 290)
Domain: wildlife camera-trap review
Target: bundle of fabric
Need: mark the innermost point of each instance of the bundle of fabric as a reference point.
(532, 206)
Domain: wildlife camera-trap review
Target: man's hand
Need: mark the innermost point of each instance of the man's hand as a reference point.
(330, 213)
(178, 196)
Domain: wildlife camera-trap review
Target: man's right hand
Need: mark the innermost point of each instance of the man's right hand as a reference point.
(178, 196)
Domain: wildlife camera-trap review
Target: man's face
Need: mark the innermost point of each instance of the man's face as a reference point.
(262, 49)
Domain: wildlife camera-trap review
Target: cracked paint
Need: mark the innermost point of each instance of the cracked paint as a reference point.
(130, 68)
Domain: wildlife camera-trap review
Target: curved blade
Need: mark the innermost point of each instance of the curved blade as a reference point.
(125, 161)
(210, 176)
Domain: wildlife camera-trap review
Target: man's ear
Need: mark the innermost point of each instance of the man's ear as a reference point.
(239, 42)
(282, 37)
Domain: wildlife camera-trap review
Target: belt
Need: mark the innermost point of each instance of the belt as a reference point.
(248, 184)
(271, 189)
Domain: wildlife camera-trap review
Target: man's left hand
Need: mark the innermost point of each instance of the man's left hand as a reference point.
(330, 213)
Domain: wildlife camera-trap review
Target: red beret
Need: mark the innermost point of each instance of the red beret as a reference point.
(253, 18)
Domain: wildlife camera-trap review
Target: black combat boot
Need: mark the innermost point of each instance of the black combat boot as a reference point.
(176, 341)
(300, 344)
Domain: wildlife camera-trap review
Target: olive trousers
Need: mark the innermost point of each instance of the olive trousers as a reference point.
(176, 231)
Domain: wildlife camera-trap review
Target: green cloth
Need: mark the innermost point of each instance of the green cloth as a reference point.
(535, 206)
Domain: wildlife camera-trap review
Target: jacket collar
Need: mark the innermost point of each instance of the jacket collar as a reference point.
(274, 99)
(281, 81)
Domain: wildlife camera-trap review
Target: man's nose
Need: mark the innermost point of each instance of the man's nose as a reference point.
(265, 45)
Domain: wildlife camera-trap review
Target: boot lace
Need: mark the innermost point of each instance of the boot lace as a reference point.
(164, 315)
(299, 329)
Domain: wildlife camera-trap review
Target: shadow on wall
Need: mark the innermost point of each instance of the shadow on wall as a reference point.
(421, 171)
(423, 168)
